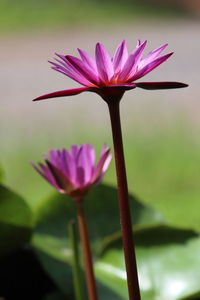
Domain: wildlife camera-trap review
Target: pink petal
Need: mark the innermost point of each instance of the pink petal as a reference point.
(151, 66)
(75, 76)
(87, 159)
(90, 154)
(82, 68)
(66, 162)
(120, 57)
(131, 63)
(87, 59)
(60, 179)
(65, 67)
(102, 165)
(151, 56)
(40, 170)
(84, 165)
(57, 159)
(90, 158)
(63, 93)
(74, 151)
(104, 64)
(46, 174)
(161, 85)
(80, 168)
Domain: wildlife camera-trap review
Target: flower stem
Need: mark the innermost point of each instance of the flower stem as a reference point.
(87, 256)
(125, 214)
(76, 269)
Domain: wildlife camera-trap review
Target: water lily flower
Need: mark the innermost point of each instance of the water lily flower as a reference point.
(74, 172)
(111, 77)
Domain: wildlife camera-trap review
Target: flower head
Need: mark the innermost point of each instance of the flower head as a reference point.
(74, 172)
(111, 77)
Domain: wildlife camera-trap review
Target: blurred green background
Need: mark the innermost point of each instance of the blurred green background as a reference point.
(161, 128)
(27, 14)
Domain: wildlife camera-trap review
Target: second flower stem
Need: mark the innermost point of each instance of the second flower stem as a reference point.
(125, 215)
(87, 256)
(76, 269)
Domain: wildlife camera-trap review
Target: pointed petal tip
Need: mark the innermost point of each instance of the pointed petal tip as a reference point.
(32, 163)
(98, 45)
(161, 85)
(79, 50)
(182, 85)
(70, 92)
(143, 44)
(138, 42)
(36, 99)
(169, 54)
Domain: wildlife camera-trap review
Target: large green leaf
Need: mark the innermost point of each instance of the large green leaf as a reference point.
(168, 262)
(60, 272)
(167, 257)
(15, 221)
(51, 239)
(100, 205)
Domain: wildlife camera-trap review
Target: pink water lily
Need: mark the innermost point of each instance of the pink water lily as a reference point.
(108, 76)
(74, 172)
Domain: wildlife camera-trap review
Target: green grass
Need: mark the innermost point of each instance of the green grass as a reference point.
(51, 14)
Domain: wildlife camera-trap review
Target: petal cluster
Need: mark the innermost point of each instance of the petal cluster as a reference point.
(74, 172)
(119, 72)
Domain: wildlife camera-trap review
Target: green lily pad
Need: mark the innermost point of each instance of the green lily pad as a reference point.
(15, 221)
(167, 257)
(100, 205)
(168, 264)
(60, 272)
(51, 242)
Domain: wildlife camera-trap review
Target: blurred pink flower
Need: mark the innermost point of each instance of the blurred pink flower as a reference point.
(111, 77)
(74, 172)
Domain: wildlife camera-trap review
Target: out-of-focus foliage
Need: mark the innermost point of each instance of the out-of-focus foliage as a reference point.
(170, 164)
(166, 255)
(30, 14)
(15, 221)
(168, 258)
(168, 264)
(52, 243)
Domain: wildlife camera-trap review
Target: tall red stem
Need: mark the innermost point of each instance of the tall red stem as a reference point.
(125, 215)
(87, 256)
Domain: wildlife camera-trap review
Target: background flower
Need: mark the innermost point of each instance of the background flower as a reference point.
(74, 172)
